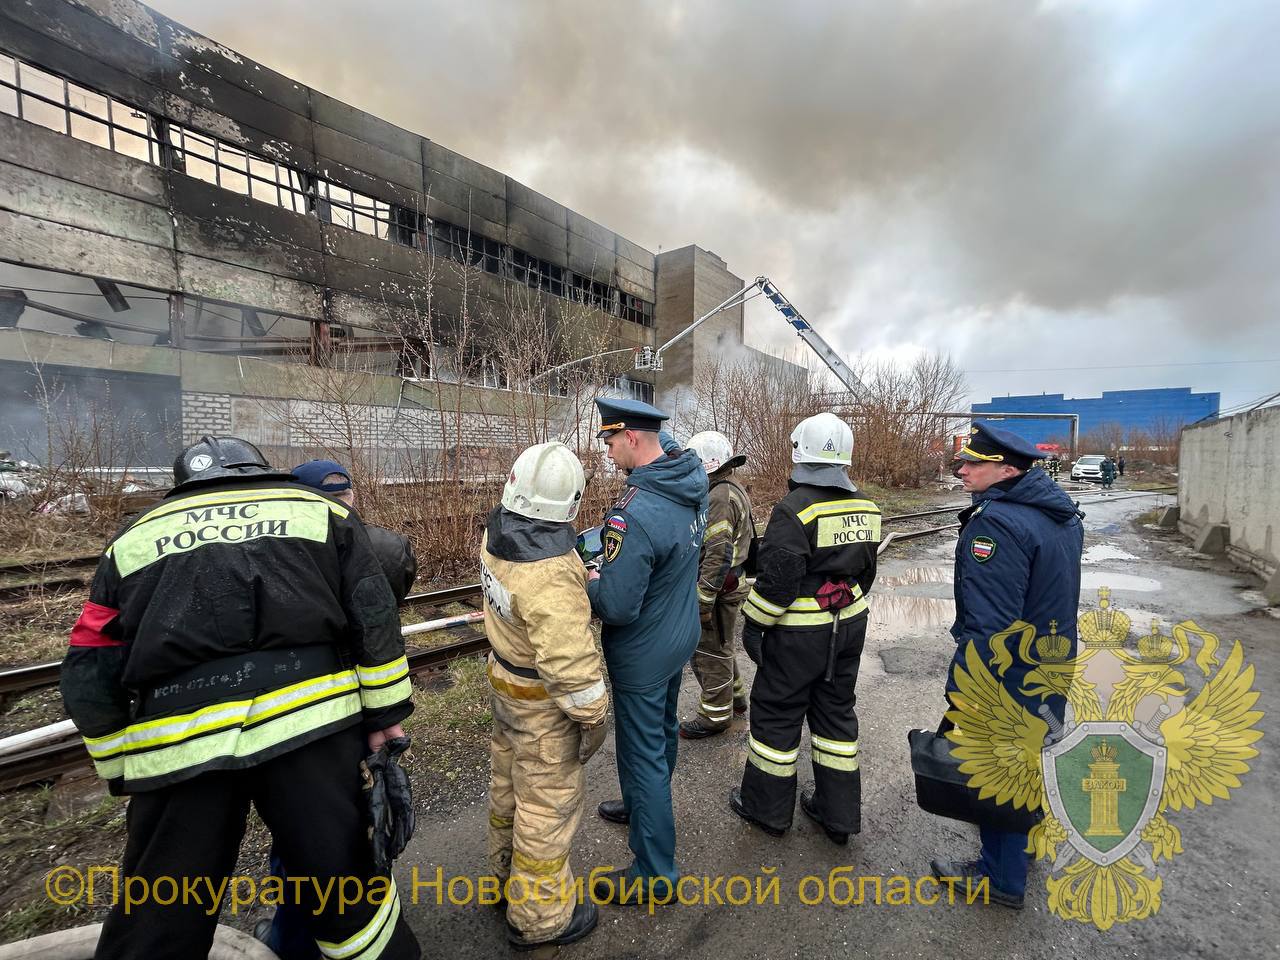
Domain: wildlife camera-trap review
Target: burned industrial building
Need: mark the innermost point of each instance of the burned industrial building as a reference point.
(191, 242)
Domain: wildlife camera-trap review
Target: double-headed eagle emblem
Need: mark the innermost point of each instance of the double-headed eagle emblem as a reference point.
(1161, 725)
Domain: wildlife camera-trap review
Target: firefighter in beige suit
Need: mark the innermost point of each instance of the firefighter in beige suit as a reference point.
(721, 588)
(547, 694)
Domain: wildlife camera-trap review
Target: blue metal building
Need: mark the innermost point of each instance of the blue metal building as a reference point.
(1142, 409)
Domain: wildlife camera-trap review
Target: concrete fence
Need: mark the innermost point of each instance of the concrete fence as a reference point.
(1229, 491)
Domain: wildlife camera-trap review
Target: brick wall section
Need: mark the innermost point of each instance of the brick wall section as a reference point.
(205, 413)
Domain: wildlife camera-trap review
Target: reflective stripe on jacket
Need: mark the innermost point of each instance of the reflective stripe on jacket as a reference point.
(727, 538)
(229, 624)
(815, 535)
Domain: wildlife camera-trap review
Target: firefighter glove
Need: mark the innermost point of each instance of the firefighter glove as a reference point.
(753, 640)
(592, 737)
(390, 800)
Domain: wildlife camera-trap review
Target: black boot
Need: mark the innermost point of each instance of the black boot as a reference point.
(735, 804)
(972, 872)
(584, 920)
(697, 729)
(615, 811)
(837, 837)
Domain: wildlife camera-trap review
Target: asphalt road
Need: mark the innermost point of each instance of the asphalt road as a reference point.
(1218, 896)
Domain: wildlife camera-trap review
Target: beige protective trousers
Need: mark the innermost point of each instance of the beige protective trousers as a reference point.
(535, 802)
(715, 662)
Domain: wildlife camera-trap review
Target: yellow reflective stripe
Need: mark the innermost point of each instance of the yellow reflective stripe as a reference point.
(720, 526)
(710, 708)
(768, 766)
(167, 730)
(373, 676)
(846, 748)
(820, 617)
(755, 616)
(517, 691)
(109, 769)
(769, 753)
(378, 697)
(833, 762)
(106, 744)
(372, 935)
(829, 507)
(500, 823)
(241, 496)
(239, 741)
(542, 868)
(764, 604)
(706, 597)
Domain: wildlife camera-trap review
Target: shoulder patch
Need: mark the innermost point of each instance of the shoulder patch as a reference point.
(616, 523)
(612, 542)
(982, 549)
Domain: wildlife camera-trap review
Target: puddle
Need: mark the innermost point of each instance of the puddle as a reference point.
(915, 575)
(905, 660)
(1093, 579)
(1102, 552)
(897, 612)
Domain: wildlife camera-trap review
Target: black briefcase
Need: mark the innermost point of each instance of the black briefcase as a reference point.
(941, 789)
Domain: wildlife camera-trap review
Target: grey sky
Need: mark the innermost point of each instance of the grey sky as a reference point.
(1069, 184)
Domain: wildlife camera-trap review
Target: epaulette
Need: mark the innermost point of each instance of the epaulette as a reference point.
(625, 498)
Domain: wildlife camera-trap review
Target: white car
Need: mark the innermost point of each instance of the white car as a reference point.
(1088, 468)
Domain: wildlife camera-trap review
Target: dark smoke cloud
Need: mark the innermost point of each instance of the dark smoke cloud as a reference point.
(926, 173)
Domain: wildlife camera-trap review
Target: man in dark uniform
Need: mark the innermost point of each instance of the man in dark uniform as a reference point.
(1018, 558)
(804, 627)
(646, 597)
(393, 550)
(241, 645)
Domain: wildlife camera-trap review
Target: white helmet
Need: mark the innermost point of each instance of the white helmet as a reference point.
(545, 483)
(714, 450)
(823, 438)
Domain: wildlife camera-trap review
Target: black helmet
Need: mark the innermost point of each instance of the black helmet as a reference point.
(218, 458)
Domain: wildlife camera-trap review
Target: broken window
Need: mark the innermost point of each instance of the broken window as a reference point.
(592, 293)
(364, 214)
(213, 161)
(72, 305)
(210, 326)
(68, 108)
(634, 309)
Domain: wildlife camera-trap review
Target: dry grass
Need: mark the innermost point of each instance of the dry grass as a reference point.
(34, 537)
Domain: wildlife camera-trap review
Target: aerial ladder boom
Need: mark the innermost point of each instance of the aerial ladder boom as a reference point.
(651, 359)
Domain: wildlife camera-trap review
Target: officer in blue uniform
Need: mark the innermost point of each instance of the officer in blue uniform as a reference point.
(1018, 558)
(645, 594)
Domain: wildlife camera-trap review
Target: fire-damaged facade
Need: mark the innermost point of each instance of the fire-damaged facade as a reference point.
(189, 240)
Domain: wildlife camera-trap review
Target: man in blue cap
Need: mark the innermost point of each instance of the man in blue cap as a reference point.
(646, 596)
(1018, 558)
(394, 551)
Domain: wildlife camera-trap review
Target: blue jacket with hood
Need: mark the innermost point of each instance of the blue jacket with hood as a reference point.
(647, 596)
(1018, 558)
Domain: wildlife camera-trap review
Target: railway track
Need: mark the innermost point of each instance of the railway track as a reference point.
(47, 762)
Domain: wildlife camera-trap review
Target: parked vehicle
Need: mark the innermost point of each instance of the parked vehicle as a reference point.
(1088, 467)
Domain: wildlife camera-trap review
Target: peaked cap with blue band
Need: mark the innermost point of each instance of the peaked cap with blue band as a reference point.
(1001, 446)
(628, 415)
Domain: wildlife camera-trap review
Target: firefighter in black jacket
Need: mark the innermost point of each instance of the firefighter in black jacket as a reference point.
(241, 645)
(805, 622)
